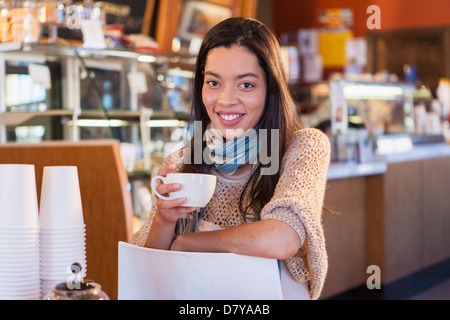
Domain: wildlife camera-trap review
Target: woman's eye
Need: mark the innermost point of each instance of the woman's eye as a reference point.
(212, 83)
(247, 85)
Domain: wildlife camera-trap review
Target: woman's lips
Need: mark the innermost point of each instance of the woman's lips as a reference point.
(230, 119)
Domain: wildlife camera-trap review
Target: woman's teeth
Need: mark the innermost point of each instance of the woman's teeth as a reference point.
(230, 116)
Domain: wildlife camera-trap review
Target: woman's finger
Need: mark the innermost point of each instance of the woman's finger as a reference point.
(169, 204)
(166, 169)
(168, 188)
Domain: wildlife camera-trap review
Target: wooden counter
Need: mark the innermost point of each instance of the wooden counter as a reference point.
(397, 219)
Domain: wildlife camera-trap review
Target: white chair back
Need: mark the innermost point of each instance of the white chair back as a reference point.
(150, 274)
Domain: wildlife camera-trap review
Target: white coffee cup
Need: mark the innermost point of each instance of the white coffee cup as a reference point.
(197, 188)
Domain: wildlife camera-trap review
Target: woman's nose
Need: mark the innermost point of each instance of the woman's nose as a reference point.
(227, 96)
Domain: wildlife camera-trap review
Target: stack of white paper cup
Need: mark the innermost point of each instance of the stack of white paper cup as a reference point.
(63, 232)
(19, 233)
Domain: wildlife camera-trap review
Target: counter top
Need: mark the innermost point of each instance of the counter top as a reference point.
(351, 169)
(420, 152)
(340, 170)
(60, 143)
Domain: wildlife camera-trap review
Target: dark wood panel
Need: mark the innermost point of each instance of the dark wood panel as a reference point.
(398, 221)
(427, 48)
(403, 227)
(375, 222)
(345, 235)
(436, 210)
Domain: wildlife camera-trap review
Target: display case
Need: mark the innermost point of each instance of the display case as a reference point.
(362, 118)
(62, 92)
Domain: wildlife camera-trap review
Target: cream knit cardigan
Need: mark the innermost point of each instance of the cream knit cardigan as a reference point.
(297, 201)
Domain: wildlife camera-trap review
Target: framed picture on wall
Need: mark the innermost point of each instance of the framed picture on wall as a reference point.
(135, 16)
(198, 17)
(191, 19)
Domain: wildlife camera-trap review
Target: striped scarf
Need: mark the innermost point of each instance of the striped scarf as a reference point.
(229, 156)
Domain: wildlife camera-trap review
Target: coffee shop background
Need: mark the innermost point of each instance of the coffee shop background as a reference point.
(373, 196)
(396, 42)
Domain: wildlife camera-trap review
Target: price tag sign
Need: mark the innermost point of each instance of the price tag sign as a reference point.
(93, 35)
(40, 74)
(137, 82)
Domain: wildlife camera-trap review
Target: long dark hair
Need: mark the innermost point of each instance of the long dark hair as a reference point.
(279, 110)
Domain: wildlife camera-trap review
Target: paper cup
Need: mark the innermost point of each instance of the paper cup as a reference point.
(74, 234)
(25, 276)
(61, 268)
(18, 269)
(20, 231)
(60, 205)
(68, 252)
(20, 248)
(30, 251)
(64, 231)
(14, 291)
(20, 296)
(67, 246)
(47, 239)
(15, 242)
(62, 253)
(20, 256)
(80, 237)
(60, 275)
(19, 284)
(18, 197)
(45, 261)
(67, 238)
(50, 263)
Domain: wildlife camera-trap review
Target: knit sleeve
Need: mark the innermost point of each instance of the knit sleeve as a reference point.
(298, 201)
(140, 236)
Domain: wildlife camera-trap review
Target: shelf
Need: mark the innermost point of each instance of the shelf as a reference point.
(71, 58)
(129, 114)
(69, 50)
(139, 175)
(15, 118)
(86, 114)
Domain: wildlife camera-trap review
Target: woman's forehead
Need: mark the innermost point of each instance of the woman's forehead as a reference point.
(226, 58)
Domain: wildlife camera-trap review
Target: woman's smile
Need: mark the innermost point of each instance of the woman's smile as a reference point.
(230, 119)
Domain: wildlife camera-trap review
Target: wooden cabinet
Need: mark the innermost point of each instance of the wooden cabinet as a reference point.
(395, 240)
(345, 234)
(427, 48)
(436, 210)
(398, 221)
(408, 230)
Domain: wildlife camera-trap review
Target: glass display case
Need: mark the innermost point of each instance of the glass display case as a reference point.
(77, 94)
(359, 116)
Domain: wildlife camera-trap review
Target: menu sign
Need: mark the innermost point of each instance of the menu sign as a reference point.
(125, 12)
(336, 18)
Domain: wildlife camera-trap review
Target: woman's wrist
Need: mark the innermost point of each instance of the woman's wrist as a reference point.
(206, 241)
(160, 220)
(161, 233)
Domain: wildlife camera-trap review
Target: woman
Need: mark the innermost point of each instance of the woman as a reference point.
(240, 89)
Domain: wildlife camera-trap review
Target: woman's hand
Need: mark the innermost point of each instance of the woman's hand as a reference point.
(166, 215)
(170, 210)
